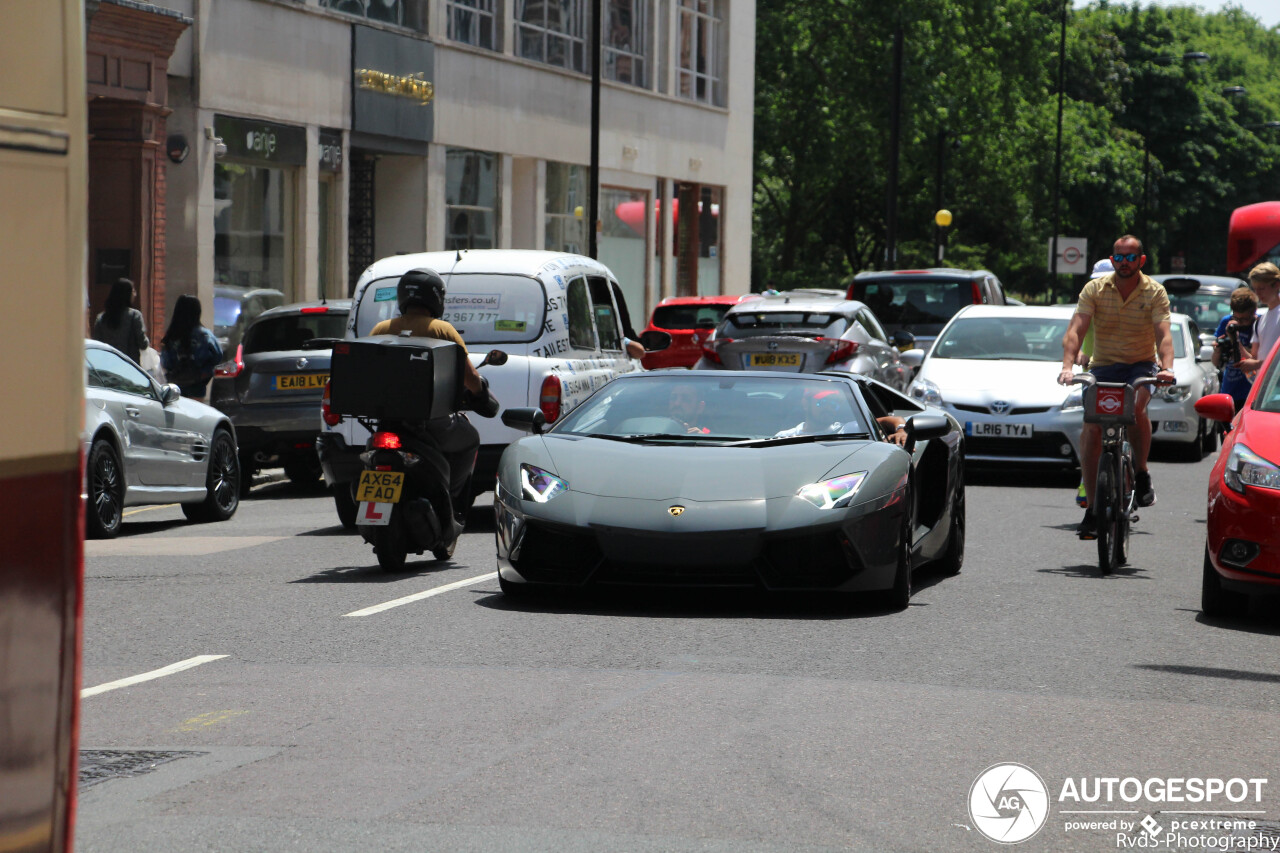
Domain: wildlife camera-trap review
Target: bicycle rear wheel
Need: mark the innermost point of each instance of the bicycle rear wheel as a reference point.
(1106, 513)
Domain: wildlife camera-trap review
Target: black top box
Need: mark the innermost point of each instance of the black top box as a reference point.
(396, 378)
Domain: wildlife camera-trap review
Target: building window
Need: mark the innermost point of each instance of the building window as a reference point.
(472, 22)
(253, 222)
(553, 31)
(699, 47)
(566, 208)
(402, 13)
(626, 27)
(471, 199)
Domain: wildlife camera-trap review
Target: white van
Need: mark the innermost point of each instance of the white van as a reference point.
(560, 318)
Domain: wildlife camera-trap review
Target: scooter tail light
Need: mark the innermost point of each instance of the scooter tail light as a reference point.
(383, 440)
(551, 397)
(843, 351)
(331, 418)
(231, 369)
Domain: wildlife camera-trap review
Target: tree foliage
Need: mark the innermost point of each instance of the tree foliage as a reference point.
(1150, 143)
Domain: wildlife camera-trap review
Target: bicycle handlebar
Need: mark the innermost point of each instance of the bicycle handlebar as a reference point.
(1140, 382)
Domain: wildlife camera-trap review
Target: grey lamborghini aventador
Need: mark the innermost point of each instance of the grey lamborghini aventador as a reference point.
(754, 479)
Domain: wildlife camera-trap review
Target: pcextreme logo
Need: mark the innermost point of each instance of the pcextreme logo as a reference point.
(1008, 803)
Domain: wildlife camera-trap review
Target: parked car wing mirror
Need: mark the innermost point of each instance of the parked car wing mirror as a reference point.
(912, 358)
(656, 341)
(169, 394)
(526, 420)
(1206, 353)
(494, 357)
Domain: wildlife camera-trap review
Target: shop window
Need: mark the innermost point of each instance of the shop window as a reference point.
(553, 31)
(699, 47)
(626, 42)
(472, 22)
(253, 221)
(624, 219)
(402, 13)
(566, 208)
(471, 199)
(581, 328)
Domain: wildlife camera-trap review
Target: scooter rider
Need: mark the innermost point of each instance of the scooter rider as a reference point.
(420, 295)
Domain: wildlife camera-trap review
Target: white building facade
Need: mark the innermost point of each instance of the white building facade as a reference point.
(325, 134)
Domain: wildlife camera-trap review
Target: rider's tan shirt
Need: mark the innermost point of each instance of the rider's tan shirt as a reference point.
(422, 325)
(1123, 329)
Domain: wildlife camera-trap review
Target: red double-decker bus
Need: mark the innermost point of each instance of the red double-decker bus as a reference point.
(43, 215)
(1253, 236)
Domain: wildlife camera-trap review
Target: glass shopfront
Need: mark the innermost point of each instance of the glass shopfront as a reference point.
(254, 207)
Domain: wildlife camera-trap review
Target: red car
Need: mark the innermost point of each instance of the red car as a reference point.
(1242, 554)
(689, 320)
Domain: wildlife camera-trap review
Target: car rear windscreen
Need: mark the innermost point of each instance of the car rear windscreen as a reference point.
(678, 317)
(806, 323)
(485, 308)
(905, 302)
(290, 332)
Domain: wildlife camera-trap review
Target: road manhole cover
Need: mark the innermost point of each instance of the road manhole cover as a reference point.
(99, 765)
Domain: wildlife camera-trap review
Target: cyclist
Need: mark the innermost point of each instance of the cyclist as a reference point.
(1129, 314)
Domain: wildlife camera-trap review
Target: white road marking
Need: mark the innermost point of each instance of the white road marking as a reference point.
(418, 596)
(148, 676)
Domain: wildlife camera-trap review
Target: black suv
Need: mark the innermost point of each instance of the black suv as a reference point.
(272, 385)
(922, 301)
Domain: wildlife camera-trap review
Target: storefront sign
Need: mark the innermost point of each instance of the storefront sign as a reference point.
(262, 141)
(330, 150)
(392, 86)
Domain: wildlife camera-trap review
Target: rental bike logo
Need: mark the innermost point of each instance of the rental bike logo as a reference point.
(1010, 803)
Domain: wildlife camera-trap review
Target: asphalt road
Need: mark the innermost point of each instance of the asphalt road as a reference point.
(654, 722)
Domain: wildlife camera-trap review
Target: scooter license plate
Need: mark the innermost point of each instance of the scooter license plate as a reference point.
(380, 486)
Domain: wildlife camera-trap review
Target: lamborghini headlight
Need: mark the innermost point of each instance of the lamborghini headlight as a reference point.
(926, 392)
(1175, 393)
(1246, 468)
(538, 485)
(834, 493)
(1075, 399)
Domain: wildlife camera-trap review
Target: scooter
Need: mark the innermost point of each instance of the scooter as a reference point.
(404, 504)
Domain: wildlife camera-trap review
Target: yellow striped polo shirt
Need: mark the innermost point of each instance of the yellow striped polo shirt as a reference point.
(1124, 329)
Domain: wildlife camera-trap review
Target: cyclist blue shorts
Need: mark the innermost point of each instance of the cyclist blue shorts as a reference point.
(1124, 372)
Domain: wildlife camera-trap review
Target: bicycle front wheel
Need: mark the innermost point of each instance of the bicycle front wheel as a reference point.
(1125, 502)
(1107, 511)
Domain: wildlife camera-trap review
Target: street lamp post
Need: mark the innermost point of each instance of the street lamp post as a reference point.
(1057, 152)
(593, 177)
(941, 221)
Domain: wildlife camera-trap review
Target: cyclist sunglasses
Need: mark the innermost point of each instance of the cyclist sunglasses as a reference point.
(1130, 258)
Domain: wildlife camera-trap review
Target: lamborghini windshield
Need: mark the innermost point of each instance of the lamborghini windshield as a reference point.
(683, 406)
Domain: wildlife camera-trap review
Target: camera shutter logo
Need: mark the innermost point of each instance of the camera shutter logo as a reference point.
(1008, 803)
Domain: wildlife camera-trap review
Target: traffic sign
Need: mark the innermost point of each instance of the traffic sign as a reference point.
(1073, 255)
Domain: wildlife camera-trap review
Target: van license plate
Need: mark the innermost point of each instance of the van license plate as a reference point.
(992, 430)
(380, 486)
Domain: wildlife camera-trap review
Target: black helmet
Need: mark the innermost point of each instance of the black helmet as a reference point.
(421, 287)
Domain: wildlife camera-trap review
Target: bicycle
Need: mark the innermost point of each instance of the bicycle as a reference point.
(1111, 406)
